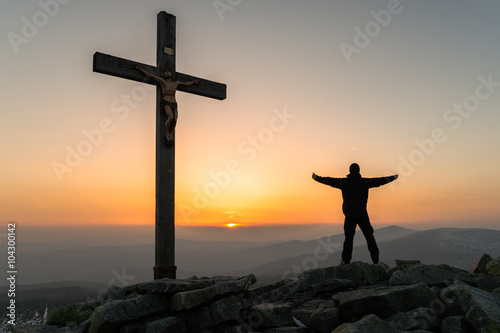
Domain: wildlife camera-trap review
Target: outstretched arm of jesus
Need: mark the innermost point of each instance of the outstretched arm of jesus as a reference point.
(189, 83)
(147, 73)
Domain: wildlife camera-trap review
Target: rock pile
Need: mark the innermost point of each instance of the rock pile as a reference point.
(357, 297)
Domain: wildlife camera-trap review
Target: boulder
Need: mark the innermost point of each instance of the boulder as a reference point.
(111, 316)
(278, 294)
(313, 276)
(450, 268)
(321, 315)
(482, 309)
(287, 329)
(295, 298)
(239, 329)
(288, 293)
(270, 315)
(115, 293)
(369, 323)
(225, 309)
(268, 288)
(333, 286)
(428, 274)
(480, 266)
(493, 267)
(418, 319)
(383, 301)
(197, 319)
(189, 299)
(406, 263)
(362, 273)
(455, 324)
(308, 285)
(486, 282)
(39, 329)
(449, 305)
(360, 296)
(172, 286)
(71, 315)
(165, 325)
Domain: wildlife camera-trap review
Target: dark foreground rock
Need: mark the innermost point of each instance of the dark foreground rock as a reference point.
(480, 266)
(383, 301)
(482, 309)
(421, 318)
(357, 297)
(369, 323)
(431, 275)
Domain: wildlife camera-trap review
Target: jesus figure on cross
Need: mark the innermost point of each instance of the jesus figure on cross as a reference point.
(168, 88)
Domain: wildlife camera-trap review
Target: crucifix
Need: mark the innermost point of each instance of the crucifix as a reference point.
(167, 81)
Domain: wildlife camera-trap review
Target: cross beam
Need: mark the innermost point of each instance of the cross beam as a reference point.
(165, 155)
(111, 65)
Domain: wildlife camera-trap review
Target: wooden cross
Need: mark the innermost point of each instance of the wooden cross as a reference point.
(165, 154)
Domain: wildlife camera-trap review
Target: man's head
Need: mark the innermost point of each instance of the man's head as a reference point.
(167, 74)
(354, 168)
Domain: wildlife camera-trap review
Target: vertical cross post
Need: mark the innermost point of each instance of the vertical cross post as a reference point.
(165, 154)
(165, 159)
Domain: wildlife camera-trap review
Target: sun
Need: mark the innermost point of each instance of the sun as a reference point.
(231, 225)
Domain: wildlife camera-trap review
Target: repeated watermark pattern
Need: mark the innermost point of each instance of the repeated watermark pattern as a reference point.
(31, 26)
(11, 273)
(248, 149)
(93, 138)
(225, 6)
(321, 253)
(371, 30)
(120, 279)
(326, 246)
(454, 118)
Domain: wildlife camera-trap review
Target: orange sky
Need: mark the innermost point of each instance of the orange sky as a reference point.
(295, 106)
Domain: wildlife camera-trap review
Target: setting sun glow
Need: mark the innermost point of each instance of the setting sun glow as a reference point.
(303, 96)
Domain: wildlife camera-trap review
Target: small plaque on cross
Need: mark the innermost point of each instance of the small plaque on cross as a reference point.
(168, 50)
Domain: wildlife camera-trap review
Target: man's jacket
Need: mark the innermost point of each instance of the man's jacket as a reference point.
(355, 191)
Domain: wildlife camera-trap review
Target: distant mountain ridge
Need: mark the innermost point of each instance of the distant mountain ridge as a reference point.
(453, 246)
(107, 264)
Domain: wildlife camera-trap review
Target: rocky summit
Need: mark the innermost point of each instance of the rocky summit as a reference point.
(358, 297)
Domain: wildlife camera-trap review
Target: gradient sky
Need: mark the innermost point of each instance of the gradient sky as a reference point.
(409, 87)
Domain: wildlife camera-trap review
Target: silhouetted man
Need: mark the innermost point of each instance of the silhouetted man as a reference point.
(355, 194)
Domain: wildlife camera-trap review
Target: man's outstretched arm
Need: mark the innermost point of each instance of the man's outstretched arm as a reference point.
(334, 182)
(376, 182)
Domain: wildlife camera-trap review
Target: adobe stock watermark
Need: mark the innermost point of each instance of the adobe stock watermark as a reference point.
(120, 279)
(448, 299)
(372, 29)
(224, 6)
(94, 137)
(31, 26)
(321, 253)
(453, 117)
(326, 246)
(248, 150)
